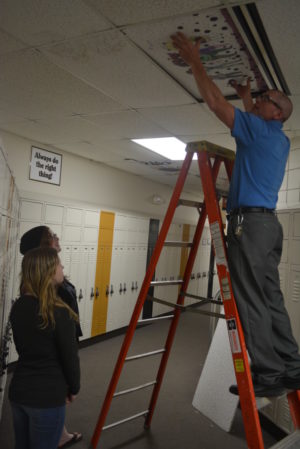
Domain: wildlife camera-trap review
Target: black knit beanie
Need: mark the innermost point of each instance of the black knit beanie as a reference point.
(32, 239)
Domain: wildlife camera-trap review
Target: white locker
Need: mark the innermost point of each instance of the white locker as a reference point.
(81, 288)
(73, 216)
(75, 264)
(54, 214)
(91, 218)
(71, 234)
(65, 257)
(89, 293)
(31, 211)
(121, 229)
(114, 311)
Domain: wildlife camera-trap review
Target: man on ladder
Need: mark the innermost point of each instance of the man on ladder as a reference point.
(254, 233)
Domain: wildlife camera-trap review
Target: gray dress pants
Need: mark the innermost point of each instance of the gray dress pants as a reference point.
(254, 255)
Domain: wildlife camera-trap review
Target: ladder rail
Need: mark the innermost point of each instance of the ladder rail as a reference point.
(239, 354)
(141, 299)
(180, 300)
(294, 403)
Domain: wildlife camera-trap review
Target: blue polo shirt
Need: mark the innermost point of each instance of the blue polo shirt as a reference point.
(261, 156)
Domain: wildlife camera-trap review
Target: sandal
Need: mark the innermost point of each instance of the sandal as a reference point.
(75, 439)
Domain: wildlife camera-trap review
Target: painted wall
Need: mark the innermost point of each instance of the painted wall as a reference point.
(89, 182)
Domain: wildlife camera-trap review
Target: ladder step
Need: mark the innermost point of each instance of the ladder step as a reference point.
(189, 203)
(178, 244)
(149, 320)
(201, 299)
(130, 418)
(191, 308)
(292, 441)
(158, 283)
(131, 390)
(146, 354)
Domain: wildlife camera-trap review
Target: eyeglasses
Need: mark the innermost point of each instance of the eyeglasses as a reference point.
(266, 98)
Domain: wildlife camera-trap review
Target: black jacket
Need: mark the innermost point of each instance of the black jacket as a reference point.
(67, 293)
(48, 366)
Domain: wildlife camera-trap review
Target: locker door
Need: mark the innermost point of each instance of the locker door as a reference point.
(65, 257)
(114, 299)
(75, 265)
(82, 295)
(131, 264)
(103, 267)
(89, 296)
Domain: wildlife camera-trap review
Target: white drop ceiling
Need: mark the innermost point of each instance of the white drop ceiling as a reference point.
(86, 76)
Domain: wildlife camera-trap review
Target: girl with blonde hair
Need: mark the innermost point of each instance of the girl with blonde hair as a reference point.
(43, 236)
(47, 373)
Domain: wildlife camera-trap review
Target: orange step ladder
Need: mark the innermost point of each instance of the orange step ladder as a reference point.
(210, 157)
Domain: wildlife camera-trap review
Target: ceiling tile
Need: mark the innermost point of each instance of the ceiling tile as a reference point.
(9, 43)
(37, 22)
(223, 49)
(123, 12)
(127, 124)
(30, 130)
(43, 90)
(281, 21)
(112, 64)
(185, 120)
(7, 117)
(90, 151)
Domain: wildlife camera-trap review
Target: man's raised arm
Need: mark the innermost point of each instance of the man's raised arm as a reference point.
(209, 91)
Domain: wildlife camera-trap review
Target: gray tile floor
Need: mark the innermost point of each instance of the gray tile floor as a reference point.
(176, 424)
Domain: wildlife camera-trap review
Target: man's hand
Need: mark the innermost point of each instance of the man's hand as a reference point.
(244, 92)
(241, 90)
(188, 51)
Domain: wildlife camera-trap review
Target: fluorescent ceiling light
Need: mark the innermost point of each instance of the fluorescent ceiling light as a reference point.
(169, 147)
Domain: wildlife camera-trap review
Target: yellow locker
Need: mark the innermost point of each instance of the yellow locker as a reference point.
(102, 278)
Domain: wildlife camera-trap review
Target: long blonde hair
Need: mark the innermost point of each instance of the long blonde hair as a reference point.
(38, 269)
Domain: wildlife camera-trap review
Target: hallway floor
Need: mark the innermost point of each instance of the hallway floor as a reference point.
(176, 424)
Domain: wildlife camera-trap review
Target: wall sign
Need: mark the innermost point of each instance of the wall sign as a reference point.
(45, 166)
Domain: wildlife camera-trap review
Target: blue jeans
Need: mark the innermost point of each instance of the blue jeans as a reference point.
(37, 428)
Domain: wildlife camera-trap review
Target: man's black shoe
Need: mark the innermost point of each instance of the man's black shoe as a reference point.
(262, 391)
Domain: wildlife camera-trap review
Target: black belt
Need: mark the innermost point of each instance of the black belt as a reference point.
(246, 210)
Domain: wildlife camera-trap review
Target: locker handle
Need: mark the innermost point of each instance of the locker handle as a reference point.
(124, 287)
(111, 289)
(132, 286)
(136, 285)
(107, 291)
(120, 289)
(97, 292)
(80, 296)
(92, 293)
